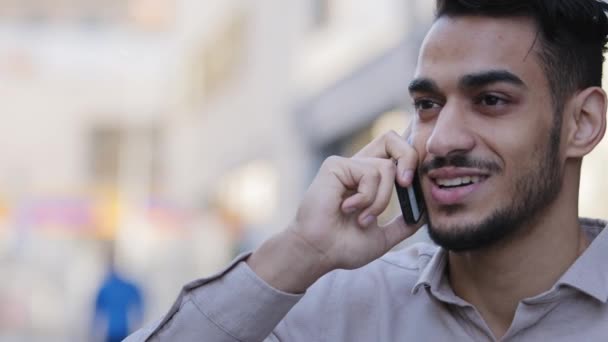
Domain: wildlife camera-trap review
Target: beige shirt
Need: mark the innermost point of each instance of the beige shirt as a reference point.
(403, 296)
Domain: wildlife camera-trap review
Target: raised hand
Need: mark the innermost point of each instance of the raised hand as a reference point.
(336, 225)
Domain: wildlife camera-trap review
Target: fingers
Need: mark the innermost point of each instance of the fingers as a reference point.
(393, 146)
(385, 189)
(371, 175)
(375, 185)
(368, 180)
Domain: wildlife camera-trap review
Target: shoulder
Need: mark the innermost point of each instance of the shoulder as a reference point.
(398, 269)
(383, 285)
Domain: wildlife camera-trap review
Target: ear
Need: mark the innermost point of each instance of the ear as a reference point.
(588, 123)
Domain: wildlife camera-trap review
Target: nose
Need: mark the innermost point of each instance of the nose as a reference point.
(451, 132)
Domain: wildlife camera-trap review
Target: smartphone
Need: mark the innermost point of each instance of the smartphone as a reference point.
(411, 201)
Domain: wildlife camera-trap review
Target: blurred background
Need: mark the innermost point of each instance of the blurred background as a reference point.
(170, 135)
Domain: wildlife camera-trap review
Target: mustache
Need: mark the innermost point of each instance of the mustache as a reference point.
(459, 160)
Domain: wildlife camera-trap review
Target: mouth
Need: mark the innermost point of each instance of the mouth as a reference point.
(457, 182)
(450, 186)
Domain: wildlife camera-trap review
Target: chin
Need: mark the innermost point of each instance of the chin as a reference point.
(453, 215)
(452, 224)
(458, 230)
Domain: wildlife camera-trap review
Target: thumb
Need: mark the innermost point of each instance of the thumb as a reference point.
(397, 230)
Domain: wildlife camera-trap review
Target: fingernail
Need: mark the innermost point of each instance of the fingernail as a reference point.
(368, 220)
(408, 175)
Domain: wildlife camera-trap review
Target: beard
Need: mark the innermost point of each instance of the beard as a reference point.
(534, 191)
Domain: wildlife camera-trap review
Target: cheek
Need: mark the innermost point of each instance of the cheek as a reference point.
(519, 158)
(516, 140)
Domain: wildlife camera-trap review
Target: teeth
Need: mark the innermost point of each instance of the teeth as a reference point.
(458, 181)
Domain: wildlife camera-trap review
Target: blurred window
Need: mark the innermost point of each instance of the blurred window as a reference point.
(218, 60)
(106, 143)
(150, 15)
(321, 13)
(126, 151)
(221, 56)
(395, 119)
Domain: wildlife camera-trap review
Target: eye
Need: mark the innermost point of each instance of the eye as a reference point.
(427, 108)
(491, 100)
(425, 104)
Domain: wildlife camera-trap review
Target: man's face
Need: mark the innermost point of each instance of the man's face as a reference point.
(484, 130)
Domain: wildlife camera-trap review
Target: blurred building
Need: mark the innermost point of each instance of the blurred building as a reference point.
(184, 131)
(84, 92)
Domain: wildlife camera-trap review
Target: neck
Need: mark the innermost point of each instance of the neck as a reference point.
(497, 278)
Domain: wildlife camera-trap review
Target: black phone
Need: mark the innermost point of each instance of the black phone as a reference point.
(411, 201)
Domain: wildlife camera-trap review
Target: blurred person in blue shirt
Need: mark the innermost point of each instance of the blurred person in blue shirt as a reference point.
(118, 306)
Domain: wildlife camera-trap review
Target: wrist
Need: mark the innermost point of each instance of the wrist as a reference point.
(288, 263)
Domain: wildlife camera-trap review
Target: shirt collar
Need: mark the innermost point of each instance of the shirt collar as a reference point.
(433, 278)
(588, 274)
(433, 271)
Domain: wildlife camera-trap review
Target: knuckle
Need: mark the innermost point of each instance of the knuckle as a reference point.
(411, 154)
(375, 175)
(412, 150)
(367, 197)
(332, 161)
(392, 135)
(388, 166)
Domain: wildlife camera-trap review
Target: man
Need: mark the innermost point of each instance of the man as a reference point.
(508, 102)
(119, 305)
(118, 308)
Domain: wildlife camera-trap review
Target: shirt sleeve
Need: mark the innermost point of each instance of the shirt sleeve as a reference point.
(233, 305)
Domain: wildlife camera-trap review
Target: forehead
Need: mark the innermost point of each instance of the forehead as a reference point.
(468, 44)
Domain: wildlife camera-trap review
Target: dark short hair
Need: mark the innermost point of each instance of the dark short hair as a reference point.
(572, 36)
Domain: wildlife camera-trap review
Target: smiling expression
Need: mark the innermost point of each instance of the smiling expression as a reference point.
(484, 129)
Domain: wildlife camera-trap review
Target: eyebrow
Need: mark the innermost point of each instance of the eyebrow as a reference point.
(467, 82)
(423, 85)
(485, 78)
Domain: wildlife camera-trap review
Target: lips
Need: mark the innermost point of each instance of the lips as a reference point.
(452, 185)
(458, 181)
